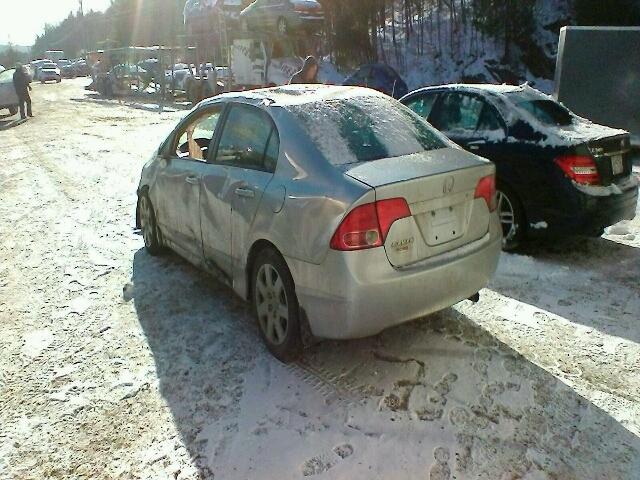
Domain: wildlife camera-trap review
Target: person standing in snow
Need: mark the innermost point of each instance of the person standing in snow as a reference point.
(308, 73)
(21, 83)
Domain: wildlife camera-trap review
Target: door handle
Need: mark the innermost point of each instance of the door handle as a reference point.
(192, 180)
(245, 192)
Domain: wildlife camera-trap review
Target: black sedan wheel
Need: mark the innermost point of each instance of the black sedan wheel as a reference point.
(511, 218)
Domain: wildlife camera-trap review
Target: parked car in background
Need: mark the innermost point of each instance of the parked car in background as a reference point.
(331, 209)
(557, 173)
(283, 16)
(81, 69)
(8, 96)
(63, 62)
(68, 71)
(48, 72)
(201, 15)
(2, 69)
(380, 77)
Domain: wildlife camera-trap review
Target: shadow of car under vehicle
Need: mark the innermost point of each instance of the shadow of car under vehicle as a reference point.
(470, 400)
(591, 281)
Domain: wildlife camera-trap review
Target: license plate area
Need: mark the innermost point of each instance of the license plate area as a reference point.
(617, 164)
(444, 225)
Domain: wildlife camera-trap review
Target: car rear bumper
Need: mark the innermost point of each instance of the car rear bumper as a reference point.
(594, 208)
(358, 294)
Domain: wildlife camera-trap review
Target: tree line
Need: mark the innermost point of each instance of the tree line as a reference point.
(356, 30)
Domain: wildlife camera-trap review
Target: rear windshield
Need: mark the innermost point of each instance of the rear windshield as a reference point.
(363, 129)
(545, 111)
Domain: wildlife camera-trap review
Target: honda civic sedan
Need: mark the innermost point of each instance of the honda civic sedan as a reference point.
(557, 173)
(335, 211)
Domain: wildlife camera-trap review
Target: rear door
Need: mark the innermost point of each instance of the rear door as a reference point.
(247, 151)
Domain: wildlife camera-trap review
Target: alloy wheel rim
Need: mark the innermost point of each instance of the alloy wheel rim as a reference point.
(507, 217)
(272, 305)
(145, 221)
(282, 26)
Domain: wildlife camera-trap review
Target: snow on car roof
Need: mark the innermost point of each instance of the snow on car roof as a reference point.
(298, 94)
(486, 87)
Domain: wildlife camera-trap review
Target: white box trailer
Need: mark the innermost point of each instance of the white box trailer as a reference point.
(598, 75)
(257, 62)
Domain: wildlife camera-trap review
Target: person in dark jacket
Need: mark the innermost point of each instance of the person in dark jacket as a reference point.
(21, 83)
(308, 73)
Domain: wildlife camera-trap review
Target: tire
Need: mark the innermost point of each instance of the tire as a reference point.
(281, 26)
(512, 218)
(273, 297)
(13, 110)
(148, 225)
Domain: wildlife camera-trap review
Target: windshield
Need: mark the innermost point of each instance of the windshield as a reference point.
(363, 129)
(6, 76)
(543, 109)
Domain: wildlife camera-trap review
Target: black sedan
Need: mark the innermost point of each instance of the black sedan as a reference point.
(557, 173)
(380, 77)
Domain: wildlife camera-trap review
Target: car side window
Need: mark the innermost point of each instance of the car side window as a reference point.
(489, 120)
(458, 113)
(249, 139)
(195, 137)
(423, 105)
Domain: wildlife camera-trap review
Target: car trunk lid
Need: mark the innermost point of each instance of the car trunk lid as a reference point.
(612, 156)
(439, 187)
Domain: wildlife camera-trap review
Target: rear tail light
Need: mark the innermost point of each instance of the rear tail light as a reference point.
(486, 189)
(367, 226)
(579, 168)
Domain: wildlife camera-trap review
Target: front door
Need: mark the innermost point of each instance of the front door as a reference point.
(247, 153)
(180, 180)
(473, 123)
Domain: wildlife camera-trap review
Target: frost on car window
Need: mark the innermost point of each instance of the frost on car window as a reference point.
(363, 129)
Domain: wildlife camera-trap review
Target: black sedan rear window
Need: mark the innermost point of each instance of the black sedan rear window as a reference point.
(547, 112)
(364, 129)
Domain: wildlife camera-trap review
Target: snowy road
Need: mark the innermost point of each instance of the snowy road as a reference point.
(114, 364)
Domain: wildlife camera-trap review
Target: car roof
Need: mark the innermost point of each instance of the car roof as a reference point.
(474, 87)
(288, 95)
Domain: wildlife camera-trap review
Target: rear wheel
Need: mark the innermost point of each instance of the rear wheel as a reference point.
(282, 26)
(13, 110)
(511, 218)
(148, 225)
(275, 306)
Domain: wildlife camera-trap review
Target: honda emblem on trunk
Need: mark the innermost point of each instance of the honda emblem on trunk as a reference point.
(448, 185)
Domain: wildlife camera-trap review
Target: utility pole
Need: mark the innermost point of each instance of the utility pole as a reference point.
(83, 26)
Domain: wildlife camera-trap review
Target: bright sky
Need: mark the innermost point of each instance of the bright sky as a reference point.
(22, 20)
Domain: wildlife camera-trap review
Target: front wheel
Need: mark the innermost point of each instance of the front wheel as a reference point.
(511, 218)
(148, 225)
(13, 110)
(275, 306)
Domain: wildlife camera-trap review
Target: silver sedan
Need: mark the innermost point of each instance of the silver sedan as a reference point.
(335, 211)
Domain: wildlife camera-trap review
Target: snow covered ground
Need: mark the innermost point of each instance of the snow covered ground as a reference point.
(114, 364)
